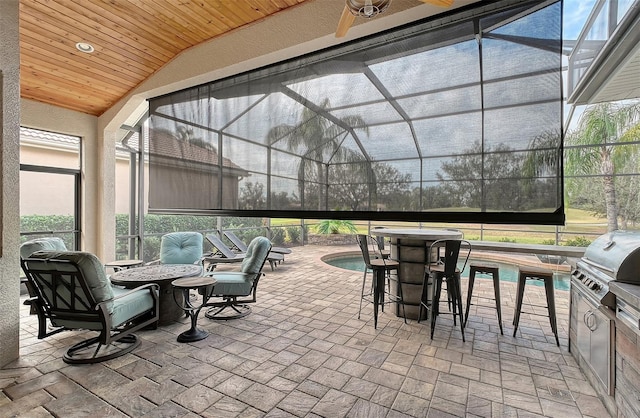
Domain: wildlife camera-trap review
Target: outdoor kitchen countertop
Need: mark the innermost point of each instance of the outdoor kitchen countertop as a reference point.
(630, 293)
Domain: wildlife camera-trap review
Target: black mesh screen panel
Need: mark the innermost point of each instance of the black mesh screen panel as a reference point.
(456, 118)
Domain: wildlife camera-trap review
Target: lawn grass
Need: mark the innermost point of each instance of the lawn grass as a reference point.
(579, 223)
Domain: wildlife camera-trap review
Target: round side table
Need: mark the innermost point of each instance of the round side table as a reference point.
(185, 284)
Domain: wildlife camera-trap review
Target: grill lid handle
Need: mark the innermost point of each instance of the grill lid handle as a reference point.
(600, 266)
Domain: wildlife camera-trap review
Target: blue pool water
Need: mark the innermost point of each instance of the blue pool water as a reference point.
(508, 272)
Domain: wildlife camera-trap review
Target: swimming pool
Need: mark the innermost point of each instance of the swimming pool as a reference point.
(508, 272)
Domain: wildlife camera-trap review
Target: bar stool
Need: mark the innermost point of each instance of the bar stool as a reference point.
(445, 272)
(545, 275)
(381, 244)
(380, 268)
(488, 269)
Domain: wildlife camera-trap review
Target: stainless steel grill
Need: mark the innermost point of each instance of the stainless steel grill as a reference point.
(612, 256)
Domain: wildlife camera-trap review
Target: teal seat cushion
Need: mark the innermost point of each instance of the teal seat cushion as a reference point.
(233, 283)
(181, 248)
(130, 306)
(123, 310)
(88, 264)
(256, 255)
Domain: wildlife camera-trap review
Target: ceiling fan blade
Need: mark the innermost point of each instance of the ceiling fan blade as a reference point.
(346, 20)
(442, 3)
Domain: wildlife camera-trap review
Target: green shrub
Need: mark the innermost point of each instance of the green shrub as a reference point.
(549, 242)
(336, 227)
(293, 234)
(32, 223)
(505, 239)
(578, 242)
(151, 248)
(277, 236)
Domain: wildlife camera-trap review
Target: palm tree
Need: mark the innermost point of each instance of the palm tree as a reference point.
(602, 127)
(316, 136)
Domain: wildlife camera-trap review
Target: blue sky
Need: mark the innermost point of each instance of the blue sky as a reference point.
(575, 14)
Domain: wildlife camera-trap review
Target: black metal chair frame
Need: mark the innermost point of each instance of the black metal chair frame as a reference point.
(82, 307)
(445, 269)
(486, 269)
(238, 307)
(546, 277)
(380, 293)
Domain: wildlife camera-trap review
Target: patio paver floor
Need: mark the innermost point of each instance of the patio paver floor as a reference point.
(303, 353)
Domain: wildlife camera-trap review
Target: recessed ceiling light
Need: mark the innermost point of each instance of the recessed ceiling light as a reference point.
(84, 47)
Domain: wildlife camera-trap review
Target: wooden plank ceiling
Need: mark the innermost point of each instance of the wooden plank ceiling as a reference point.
(132, 40)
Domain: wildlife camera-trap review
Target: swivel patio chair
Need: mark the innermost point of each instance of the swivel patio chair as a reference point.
(234, 290)
(73, 292)
(379, 292)
(444, 270)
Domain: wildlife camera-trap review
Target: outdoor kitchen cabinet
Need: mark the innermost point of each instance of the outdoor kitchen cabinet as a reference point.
(604, 327)
(595, 336)
(627, 349)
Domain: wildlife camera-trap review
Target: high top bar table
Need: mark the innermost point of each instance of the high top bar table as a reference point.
(410, 247)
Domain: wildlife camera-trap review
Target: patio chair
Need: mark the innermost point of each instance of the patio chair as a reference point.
(226, 254)
(241, 247)
(73, 292)
(224, 302)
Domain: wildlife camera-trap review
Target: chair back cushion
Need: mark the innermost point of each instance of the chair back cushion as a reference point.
(41, 244)
(256, 255)
(181, 248)
(87, 264)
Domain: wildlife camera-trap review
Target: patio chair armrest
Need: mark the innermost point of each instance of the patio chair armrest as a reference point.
(150, 286)
(30, 301)
(153, 263)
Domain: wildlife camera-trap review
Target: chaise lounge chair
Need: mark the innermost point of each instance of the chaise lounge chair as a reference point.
(240, 246)
(225, 254)
(222, 254)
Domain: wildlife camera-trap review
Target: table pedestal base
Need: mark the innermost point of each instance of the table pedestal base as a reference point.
(199, 283)
(193, 334)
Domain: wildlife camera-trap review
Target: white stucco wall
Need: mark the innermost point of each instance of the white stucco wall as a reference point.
(9, 149)
(94, 182)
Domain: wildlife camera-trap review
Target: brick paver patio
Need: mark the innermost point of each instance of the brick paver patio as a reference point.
(303, 353)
